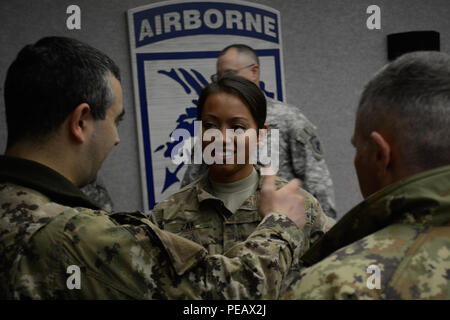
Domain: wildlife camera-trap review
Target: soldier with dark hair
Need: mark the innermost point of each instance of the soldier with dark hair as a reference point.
(63, 102)
(221, 208)
(300, 152)
(52, 102)
(396, 243)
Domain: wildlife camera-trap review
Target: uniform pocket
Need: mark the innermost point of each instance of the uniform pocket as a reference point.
(201, 233)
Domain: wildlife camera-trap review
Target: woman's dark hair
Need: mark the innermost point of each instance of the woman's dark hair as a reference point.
(248, 92)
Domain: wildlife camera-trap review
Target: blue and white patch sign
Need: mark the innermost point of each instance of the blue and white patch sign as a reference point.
(174, 48)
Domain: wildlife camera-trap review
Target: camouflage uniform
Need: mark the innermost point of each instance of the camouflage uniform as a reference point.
(196, 214)
(97, 192)
(404, 230)
(301, 154)
(47, 225)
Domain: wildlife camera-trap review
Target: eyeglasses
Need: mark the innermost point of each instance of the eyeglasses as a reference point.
(217, 75)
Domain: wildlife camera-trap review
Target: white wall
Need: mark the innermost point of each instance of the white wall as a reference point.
(328, 53)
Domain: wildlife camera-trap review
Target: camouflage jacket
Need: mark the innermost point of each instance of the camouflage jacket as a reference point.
(393, 245)
(49, 229)
(300, 155)
(96, 191)
(196, 214)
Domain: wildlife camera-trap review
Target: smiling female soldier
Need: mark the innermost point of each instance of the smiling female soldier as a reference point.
(221, 208)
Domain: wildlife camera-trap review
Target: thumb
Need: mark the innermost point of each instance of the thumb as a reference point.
(268, 184)
(292, 186)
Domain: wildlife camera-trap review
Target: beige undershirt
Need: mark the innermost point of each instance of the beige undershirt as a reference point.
(234, 194)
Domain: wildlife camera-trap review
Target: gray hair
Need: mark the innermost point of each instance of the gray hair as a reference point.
(411, 97)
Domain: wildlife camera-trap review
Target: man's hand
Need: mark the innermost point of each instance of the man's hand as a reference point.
(286, 201)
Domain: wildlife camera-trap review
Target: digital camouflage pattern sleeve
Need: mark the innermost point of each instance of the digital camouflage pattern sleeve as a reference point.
(393, 245)
(97, 192)
(125, 256)
(398, 262)
(194, 213)
(301, 153)
(317, 179)
(56, 244)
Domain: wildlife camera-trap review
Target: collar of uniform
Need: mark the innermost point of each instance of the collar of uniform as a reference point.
(253, 201)
(203, 185)
(422, 198)
(202, 188)
(204, 197)
(36, 176)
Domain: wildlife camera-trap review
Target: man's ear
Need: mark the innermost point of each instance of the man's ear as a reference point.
(78, 121)
(255, 73)
(382, 151)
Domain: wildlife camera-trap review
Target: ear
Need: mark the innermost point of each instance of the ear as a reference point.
(382, 152)
(78, 122)
(262, 133)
